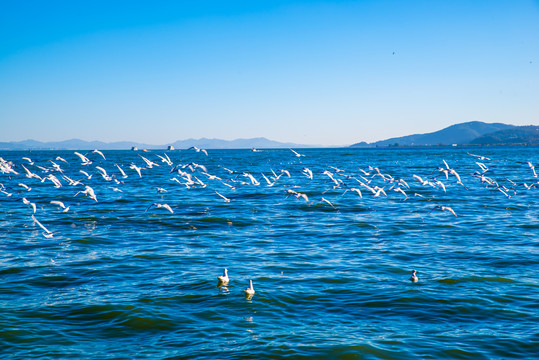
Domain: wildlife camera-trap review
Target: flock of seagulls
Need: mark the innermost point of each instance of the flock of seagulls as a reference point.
(89, 174)
(60, 173)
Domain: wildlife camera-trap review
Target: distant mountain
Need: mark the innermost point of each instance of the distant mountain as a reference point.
(455, 134)
(521, 135)
(77, 144)
(259, 143)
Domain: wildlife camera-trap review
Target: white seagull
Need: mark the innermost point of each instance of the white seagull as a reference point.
(61, 204)
(250, 291)
(443, 208)
(165, 206)
(296, 153)
(47, 233)
(84, 159)
(100, 153)
(414, 277)
(223, 279)
(27, 202)
(224, 198)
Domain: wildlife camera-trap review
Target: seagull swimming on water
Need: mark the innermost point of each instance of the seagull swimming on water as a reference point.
(223, 279)
(250, 291)
(414, 277)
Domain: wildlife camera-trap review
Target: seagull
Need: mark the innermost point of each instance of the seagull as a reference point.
(414, 277)
(121, 170)
(61, 204)
(88, 191)
(167, 160)
(479, 156)
(223, 279)
(296, 153)
(327, 201)
(268, 180)
(27, 202)
(29, 160)
(308, 173)
(398, 189)
(533, 168)
(251, 177)
(85, 173)
(298, 195)
(148, 162)
(441, 184)
(136, 168)
(198, 150)
(47, 233)
(84, 159)
(443, 208)
(357, 191)
(224, 198)
(285, 172)
(30, 174)
(28, 188)
(166, 206)
(250, 291)
(100, 153)
(483, 167)
(379, 191)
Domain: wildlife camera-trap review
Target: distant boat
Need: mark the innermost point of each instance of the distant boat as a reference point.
(170, 148)
(134, 148)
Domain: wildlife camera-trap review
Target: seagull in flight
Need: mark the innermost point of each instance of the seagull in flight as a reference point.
(61, 204)
(165, 206)
(533, 168)
(198, 150)
(84, 159)
(100, 153)
(443, 208)
(296, 153)
(47, 233)
(27, 202)
(224, 198)
(88, 191)
(479, 157)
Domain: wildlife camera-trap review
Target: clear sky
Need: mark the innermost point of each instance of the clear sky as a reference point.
(309, 72)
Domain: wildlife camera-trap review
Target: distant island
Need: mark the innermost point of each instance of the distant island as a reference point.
(473, 133)
(468, 133)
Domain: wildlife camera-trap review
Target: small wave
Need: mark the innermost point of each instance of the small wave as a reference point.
(475, 279)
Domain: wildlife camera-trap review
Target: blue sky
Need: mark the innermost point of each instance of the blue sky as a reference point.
(309, 72)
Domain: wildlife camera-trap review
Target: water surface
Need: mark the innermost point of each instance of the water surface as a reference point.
(122, 279)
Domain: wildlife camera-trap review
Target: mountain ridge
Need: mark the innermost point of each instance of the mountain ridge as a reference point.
(469, 133)
(78, 144)
(459, 134)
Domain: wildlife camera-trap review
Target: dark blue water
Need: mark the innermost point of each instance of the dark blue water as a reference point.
(119, 279)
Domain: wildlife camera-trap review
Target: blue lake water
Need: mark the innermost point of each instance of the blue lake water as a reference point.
(118, 278)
